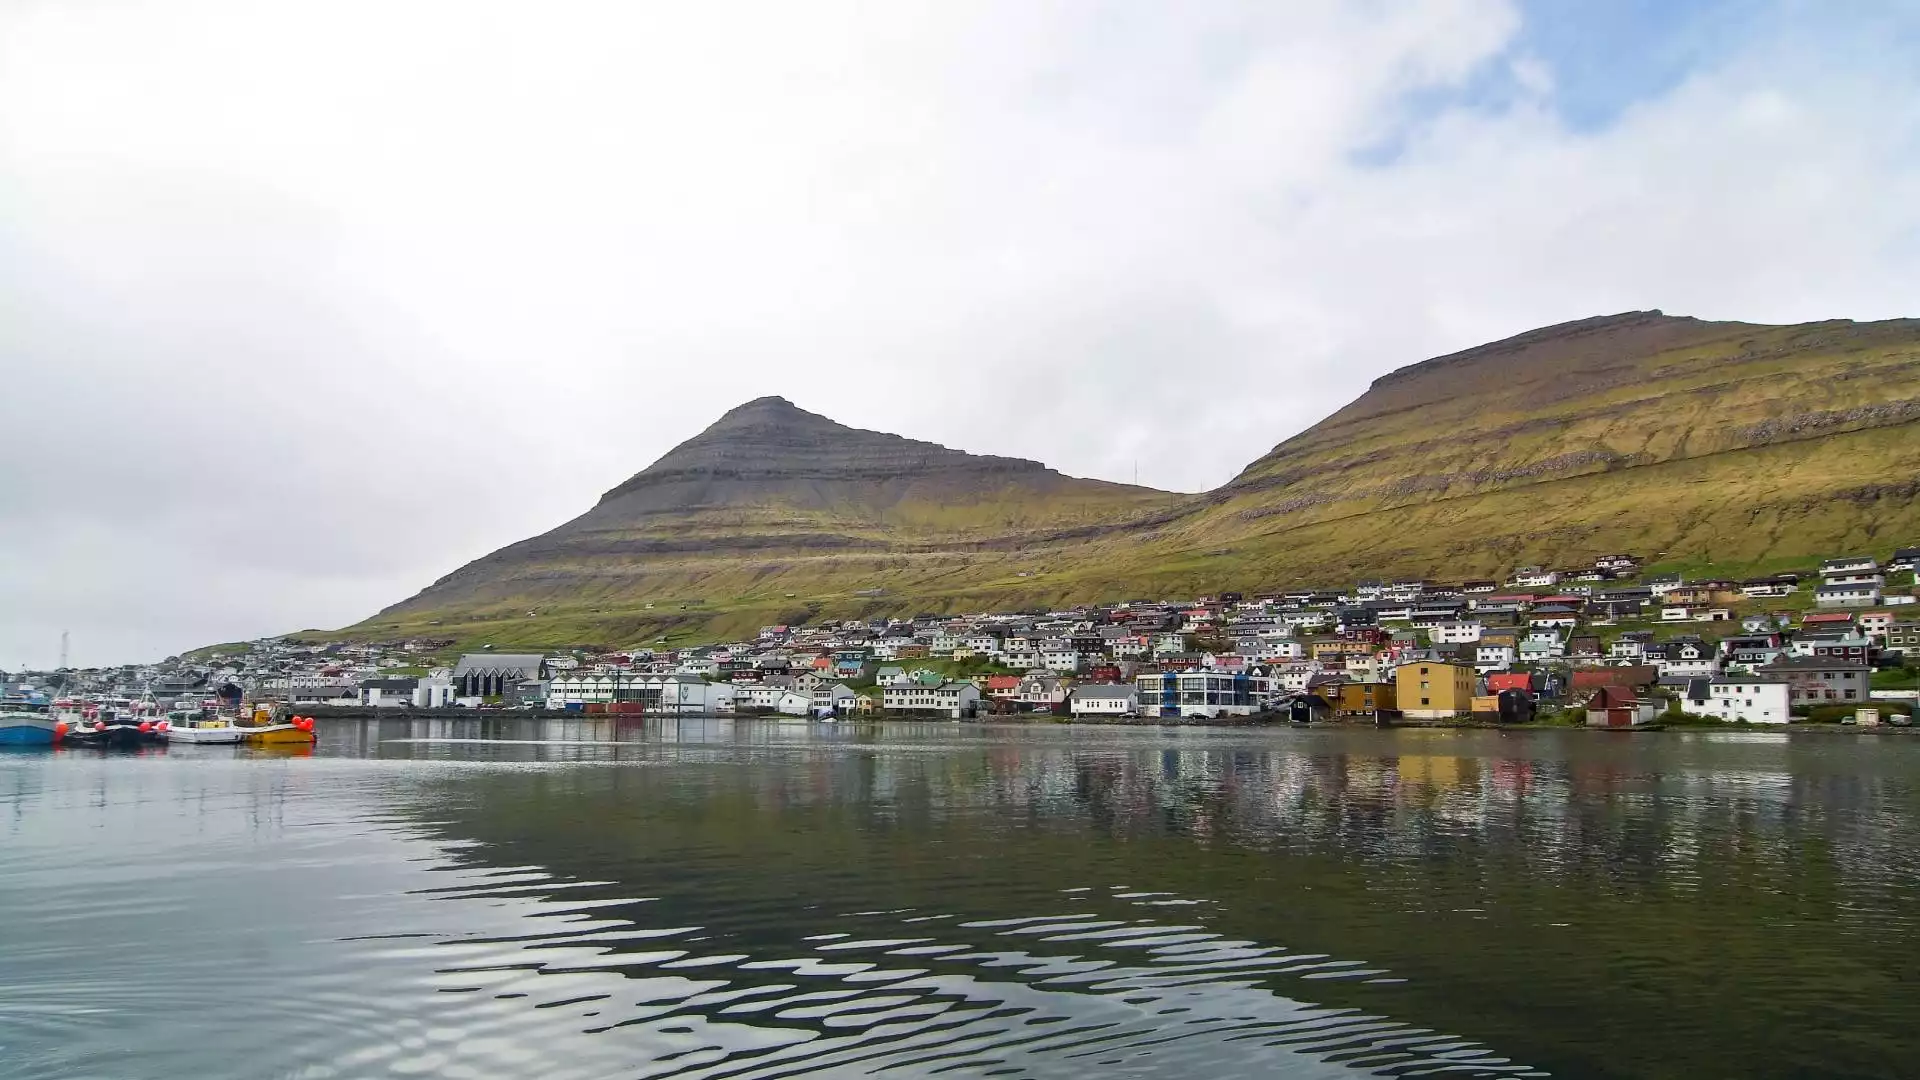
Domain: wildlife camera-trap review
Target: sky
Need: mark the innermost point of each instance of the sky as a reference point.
(305, 303)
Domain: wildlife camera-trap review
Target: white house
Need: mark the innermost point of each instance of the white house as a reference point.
(834, 698)
(1848, 595)
(435, 691)
(1281, 649)
(1535, 649)
(1533, 577)
(793, 703)
(984, 644)
(1676, 613)
(1852, 564)
(1875, 624)
(1690, 659)
(1368, 667)
(1494, 657)
(1065, 661)
(1106, 699)
(1626, 648)
(1292, 678)
(951, 699)
(1755, 700)
(334, 694)
(1457, 633)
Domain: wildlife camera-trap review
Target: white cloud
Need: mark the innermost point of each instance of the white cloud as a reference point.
(304, 303)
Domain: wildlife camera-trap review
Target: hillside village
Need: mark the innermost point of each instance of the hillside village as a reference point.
(1603, 644)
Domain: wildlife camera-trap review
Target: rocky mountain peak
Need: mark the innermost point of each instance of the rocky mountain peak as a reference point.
(772, 443)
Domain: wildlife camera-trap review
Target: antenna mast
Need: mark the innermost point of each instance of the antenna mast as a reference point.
(65, 637)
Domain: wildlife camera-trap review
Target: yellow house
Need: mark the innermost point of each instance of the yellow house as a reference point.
(1433, 689)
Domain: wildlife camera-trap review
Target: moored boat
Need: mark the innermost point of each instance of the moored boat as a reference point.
(28, 723)
(194, 726)
(128, 729)
(264, 731)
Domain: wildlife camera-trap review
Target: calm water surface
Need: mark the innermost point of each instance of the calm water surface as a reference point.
(753, 900)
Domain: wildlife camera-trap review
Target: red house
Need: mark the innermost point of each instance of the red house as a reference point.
(1618, 707)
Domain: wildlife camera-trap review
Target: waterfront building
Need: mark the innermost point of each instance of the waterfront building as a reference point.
(494, 674)
(1431, 690)
(1106, 699)
(1820, 680)
(1754, 700)
(950, 699)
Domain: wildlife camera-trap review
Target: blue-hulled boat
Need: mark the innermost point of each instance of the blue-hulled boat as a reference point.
(27, 722)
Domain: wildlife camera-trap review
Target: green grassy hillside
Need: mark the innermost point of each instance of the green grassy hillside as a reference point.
(1722, 445)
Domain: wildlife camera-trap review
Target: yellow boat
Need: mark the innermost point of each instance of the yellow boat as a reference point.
(260, 730)
(277, 735)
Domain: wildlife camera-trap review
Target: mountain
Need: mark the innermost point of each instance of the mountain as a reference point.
(1720, 445)
(767, 510)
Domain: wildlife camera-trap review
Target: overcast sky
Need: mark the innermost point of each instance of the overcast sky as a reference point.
(303, 304)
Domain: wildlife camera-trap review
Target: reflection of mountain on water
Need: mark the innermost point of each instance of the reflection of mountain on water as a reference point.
(1514, 882)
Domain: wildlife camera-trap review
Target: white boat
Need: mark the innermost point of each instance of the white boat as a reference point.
(188, 726)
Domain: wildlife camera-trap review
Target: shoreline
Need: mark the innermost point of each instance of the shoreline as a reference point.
(363, 714)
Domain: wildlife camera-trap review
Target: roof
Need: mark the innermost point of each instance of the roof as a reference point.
(497, 663)
(1608, 697)
(1105, 691)
(1814, 663)
(326, 691)
(1629, 675)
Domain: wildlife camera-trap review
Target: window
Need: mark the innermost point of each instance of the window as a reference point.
(1424, 701)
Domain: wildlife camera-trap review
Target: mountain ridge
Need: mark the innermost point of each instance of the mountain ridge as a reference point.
(1729, 443)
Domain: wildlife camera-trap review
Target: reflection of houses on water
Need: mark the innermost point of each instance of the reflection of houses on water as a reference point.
(1435, 771)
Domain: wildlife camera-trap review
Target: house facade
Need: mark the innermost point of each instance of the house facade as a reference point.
(1106, 699)
(1846, 594)
(1749, 699)
(1817, 680)
(1431, 690)
(952, 700)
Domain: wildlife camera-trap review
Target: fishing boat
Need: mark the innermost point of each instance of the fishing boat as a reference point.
(81, 721)
(261, 729)
(196, 726)
(127, 726)
(27, 722)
